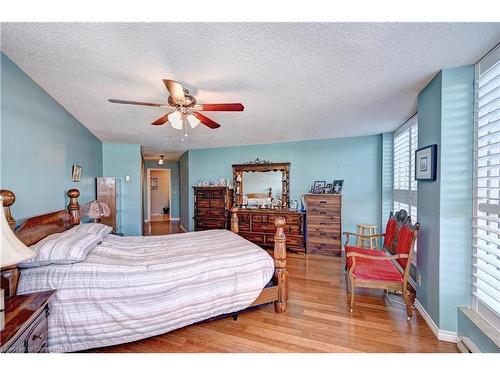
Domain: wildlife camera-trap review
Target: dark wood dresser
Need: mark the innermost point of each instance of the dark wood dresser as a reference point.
(26, 327)
(212, 206)
(257, 226)
(324, 223)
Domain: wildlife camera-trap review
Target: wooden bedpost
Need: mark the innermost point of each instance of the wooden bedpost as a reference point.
(8, 200)
(73, 206)
(280, 272)
(234, 220)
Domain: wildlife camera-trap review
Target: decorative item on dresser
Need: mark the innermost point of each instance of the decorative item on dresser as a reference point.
(257, 226)
(108, 192)
(211, 207)
(324, 223)
(26, 330)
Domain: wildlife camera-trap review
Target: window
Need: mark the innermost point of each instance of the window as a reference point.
(486, 220)
(405, 186)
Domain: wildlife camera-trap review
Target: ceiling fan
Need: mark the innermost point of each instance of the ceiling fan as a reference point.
(182, 108)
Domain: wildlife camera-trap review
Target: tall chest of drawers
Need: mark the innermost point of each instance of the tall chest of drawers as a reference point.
(324, 223)
(211, 207)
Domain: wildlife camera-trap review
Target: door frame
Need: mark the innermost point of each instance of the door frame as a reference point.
(148, 194)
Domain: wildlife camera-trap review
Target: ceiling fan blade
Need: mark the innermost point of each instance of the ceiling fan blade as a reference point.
(176, 91)
(206, 121)
(161, 120)
(220, 107)
(138, 103)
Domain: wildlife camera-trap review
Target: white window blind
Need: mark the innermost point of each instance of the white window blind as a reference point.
(405, 186)
(486, 220)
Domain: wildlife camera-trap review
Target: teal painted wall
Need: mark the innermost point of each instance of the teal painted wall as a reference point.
(446, 117)
(457, 125)
(120, 160)
(40, 141)
(355, 160)
(429, 132)
(174, 180)
(387, 176)
(185, 189)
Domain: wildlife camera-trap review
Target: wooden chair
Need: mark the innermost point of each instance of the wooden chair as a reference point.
(376, 268)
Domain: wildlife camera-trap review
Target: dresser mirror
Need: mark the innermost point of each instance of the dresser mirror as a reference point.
(261, 185)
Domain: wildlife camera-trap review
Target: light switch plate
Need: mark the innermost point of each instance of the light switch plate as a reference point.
(127, 178)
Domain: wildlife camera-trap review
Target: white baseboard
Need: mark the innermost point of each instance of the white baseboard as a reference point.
(441, 334)
(182, 228)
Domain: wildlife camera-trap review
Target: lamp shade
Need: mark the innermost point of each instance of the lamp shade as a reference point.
(96, 210)
(12, 250)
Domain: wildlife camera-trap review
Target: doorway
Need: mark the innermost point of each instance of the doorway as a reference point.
(159, 194)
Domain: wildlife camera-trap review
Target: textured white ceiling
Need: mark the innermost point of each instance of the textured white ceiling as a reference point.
(297, 80)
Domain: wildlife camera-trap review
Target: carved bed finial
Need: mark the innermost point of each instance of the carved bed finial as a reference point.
(8, 200)
(234, 220)
(280, 272)
(74, 206)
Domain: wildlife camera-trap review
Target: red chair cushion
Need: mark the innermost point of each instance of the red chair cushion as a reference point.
(405, 237)
(360, 250)
(390, 233)
(380, 270)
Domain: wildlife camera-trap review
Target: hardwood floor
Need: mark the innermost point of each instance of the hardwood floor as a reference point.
(317, 320)
(161, 226)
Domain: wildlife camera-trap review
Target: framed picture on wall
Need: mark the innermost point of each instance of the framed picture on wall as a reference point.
(154, 183)
(426, 163)
(76, 173)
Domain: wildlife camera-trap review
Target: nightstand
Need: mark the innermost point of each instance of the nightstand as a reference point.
(26, 327)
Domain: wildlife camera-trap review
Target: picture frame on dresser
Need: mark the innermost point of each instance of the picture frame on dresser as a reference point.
(337, 186)
(318, 187)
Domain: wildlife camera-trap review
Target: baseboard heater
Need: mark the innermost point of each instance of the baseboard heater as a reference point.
(466, 345)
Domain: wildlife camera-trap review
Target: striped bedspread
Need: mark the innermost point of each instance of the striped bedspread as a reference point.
(130, 288)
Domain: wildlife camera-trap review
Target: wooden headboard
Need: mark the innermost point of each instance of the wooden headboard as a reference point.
(37, 228)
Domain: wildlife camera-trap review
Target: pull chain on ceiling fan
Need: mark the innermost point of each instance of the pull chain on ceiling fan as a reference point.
(183, 109)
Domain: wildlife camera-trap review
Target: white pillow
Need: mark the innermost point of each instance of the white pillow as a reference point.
(98, 229)
(67, 247)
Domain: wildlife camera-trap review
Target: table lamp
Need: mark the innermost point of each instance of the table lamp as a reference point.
(12, 252)
(95, 210)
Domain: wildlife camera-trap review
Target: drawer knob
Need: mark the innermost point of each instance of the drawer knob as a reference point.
(323, 202)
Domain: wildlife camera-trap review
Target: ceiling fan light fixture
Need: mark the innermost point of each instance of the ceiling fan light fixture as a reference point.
(193, 121)
(175, 119)
(160, 162)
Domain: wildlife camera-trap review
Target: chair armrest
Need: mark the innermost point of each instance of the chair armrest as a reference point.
(376, 257)
(347, 234)
(364, 235)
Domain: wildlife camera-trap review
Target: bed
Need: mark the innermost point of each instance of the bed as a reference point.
(130, 288)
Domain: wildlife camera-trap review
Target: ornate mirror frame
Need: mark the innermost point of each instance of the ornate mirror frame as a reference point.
(258, 166)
